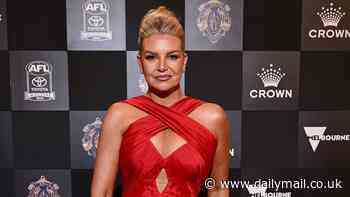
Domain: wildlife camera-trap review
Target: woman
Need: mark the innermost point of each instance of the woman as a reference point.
(164, 143)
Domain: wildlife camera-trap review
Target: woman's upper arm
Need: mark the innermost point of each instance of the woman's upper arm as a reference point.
(220, 168)
(107, 157)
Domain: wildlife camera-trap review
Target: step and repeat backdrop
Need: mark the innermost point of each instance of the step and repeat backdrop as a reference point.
(279, 68)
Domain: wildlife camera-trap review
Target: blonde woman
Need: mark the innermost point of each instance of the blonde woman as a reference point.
(163, 143)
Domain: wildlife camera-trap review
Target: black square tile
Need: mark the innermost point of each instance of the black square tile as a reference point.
(41, 140)
(272, 25)
(269, 139)
(215, 76)
(37, 24)
(96, 79)
(325, 80)
(5, 93)
(6, 140)
(6, 182)
(81, 182)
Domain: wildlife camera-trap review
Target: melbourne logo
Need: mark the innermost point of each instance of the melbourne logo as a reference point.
(270, 78)
(214, 20)
(43, 188)
(96, 19)
(259, 190)
(316, 135)
(39, 82)
(91, 135)
(330, 17)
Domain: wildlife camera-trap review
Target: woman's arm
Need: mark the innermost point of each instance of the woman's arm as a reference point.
(106, 163)
(220, 169)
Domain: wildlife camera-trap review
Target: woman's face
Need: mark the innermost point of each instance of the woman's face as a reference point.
(162, 61)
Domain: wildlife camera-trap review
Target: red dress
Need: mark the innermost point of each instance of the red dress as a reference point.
(186, 168)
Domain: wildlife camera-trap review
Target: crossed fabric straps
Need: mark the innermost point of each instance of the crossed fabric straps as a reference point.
(175, 117)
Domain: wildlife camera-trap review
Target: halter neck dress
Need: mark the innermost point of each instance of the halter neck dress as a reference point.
(186, 167)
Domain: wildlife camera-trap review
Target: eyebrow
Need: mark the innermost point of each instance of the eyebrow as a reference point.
(156, 52)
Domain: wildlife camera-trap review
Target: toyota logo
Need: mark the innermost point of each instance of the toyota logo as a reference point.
(39, 82)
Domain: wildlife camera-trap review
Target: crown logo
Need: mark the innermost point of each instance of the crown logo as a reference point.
(271, 77)
(331, 16)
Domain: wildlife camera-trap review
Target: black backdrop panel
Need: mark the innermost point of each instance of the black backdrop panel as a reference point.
(81, 182)
(6, 182)
(5, 93)
(272, 25)
(41, 140)
(269, 139)
(210, 77)
(37, 25)
(91, 74)
(325, 80)
(6, 140)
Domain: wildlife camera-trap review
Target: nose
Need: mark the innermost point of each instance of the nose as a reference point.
(162, 65)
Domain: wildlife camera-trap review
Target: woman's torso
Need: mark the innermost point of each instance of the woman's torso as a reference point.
(160, 159)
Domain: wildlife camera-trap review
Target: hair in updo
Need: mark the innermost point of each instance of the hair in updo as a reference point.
(160, 20)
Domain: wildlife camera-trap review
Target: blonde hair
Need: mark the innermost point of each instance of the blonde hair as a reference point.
(160, 20)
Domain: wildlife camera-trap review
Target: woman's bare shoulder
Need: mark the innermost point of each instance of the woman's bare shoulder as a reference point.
(123, 114)
(211, 115)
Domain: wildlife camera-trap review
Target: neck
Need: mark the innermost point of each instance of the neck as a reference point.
(166, 98)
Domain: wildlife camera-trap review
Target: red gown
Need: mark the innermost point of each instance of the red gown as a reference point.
(140, 161)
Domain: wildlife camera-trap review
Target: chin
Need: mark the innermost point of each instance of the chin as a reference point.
(164, 87)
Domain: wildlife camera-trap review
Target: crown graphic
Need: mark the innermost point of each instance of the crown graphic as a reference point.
(331, 16)
(271, 77)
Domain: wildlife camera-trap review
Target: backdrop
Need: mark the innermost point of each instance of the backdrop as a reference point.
(280, 69)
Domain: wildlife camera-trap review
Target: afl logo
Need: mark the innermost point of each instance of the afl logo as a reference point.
(39, 82)
(214, 20)
(95, 7)
(96, 21)
(38, 68)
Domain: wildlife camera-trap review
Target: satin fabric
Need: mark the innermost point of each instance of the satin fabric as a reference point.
(186, 168)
